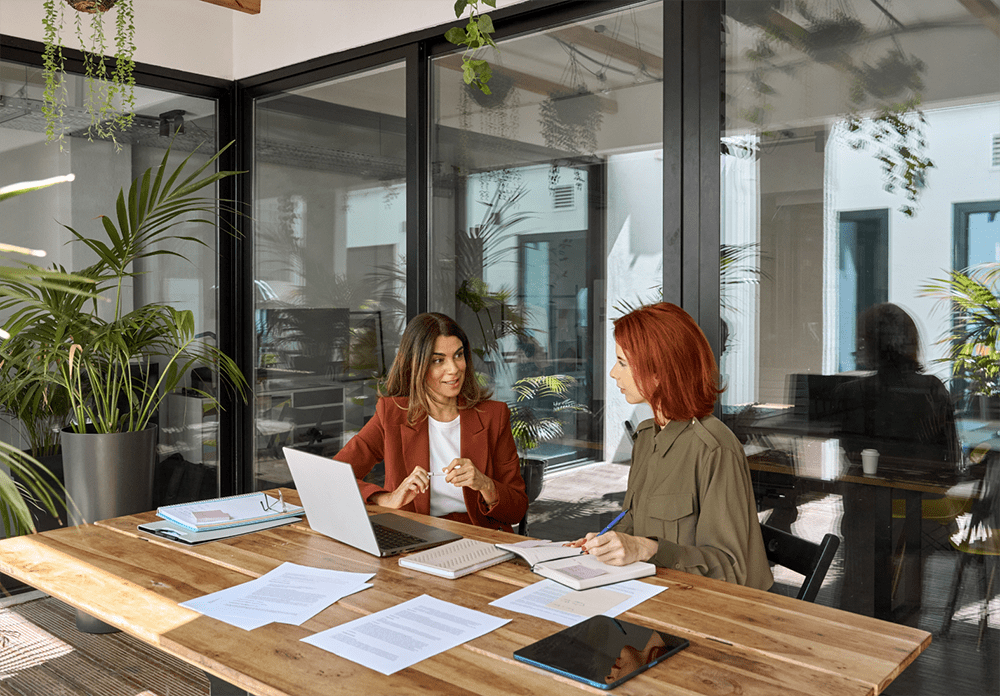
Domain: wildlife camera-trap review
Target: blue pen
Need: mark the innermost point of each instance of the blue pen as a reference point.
(615, 521)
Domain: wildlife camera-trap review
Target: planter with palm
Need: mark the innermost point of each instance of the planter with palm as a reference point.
(536, 417)
(114, 372)
(975, 330)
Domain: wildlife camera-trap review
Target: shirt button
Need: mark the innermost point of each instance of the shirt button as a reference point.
(677, 566)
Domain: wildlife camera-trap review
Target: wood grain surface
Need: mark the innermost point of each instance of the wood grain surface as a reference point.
(742, 640)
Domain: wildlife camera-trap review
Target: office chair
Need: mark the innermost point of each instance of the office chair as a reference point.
(522, 526)
(802, 556)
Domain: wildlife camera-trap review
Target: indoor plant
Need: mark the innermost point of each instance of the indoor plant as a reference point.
(474, 36)
(975, 327)
(114, 370)
(28, 476)
(104, 83)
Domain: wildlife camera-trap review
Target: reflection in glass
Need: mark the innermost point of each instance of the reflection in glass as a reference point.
(856, 162)
(188, 466)
(547, 214)
(330, 259)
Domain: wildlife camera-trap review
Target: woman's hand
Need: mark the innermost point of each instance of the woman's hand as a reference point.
(408, 489)
(617, 549)
(464, 474)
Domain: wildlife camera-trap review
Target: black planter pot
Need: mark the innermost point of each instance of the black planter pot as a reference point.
(107, 475)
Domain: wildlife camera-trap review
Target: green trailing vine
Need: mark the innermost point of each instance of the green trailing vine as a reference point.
(110, 95)
(475, 36)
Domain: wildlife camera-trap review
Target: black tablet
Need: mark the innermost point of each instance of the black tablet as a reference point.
(601, 651)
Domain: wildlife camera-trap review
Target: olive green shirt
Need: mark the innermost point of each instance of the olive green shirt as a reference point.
(689, 489)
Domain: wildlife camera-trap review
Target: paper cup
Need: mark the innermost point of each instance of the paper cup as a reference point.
(869, 461)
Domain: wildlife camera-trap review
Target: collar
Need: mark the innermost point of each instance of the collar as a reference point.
(664, 440)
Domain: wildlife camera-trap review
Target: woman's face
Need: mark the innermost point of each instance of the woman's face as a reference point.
(622, 374)
(447, 371)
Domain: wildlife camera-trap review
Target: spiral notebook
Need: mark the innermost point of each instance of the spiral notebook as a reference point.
(456, 559)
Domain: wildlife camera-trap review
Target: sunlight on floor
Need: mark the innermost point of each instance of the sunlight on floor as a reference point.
(24, 645)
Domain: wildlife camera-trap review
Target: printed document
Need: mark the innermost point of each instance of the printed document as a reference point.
(289, 594)
(550, 600)
(396, 638)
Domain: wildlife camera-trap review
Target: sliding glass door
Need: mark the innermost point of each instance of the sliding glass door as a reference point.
(329, 259)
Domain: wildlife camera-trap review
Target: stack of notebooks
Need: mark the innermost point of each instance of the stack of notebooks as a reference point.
(551, 559)
(220, 518)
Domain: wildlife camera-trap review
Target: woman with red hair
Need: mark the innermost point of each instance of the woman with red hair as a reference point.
(689, 503)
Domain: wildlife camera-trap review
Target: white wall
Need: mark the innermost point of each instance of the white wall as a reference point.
(920, 247)
(187, 35)
(290, 31)
(201, 38)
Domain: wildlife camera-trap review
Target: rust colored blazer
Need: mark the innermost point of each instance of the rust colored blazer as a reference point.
(486, 441)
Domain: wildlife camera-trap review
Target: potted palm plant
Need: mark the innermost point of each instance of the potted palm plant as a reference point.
(113, 366)
(975, 331)
(534, 418)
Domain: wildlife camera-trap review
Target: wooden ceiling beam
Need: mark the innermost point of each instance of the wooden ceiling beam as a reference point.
(248, 6)
(986, 11)
(529, 83)
(601, 42)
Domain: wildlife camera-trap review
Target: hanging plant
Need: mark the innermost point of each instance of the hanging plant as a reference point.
(571, 119)
(110, 93)
(896, 131)
(475, 36)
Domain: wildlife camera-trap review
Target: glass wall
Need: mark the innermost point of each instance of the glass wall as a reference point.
(860, 186)
(188, 466)
(547, 221)
(330, 259)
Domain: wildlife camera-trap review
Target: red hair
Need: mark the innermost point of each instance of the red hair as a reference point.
(671, 361)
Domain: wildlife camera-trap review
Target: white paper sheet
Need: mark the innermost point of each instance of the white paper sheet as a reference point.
(396, 638)
(547, 600)
(289, 594)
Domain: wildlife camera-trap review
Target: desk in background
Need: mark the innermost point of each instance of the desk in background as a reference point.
(741, 639)
(818, 464)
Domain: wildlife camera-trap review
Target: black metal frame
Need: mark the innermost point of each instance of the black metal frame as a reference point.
(692, 118)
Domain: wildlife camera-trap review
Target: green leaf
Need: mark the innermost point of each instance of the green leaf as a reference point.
(485, 24)
(460, 6)
(456, 36)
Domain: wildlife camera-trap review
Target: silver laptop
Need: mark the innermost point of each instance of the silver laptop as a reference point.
(334, 507)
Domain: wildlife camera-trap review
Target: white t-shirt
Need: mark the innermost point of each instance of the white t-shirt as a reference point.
(446, 445)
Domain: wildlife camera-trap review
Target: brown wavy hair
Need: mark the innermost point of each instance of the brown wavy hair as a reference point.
(407, 376)
(671, 361)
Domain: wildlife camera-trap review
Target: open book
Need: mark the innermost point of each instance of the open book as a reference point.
(541, 550)
(571, 567)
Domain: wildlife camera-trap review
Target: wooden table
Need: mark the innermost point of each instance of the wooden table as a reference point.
(742, 640)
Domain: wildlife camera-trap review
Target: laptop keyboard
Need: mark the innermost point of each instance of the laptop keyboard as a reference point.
(389, 538)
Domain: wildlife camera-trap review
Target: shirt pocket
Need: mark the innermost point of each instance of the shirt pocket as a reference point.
(670, 514)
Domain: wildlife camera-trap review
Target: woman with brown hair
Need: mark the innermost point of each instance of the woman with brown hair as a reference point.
(689, 500)
(447, 448)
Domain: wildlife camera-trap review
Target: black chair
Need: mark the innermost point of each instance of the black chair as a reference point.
(802, 556)
(522, 526)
